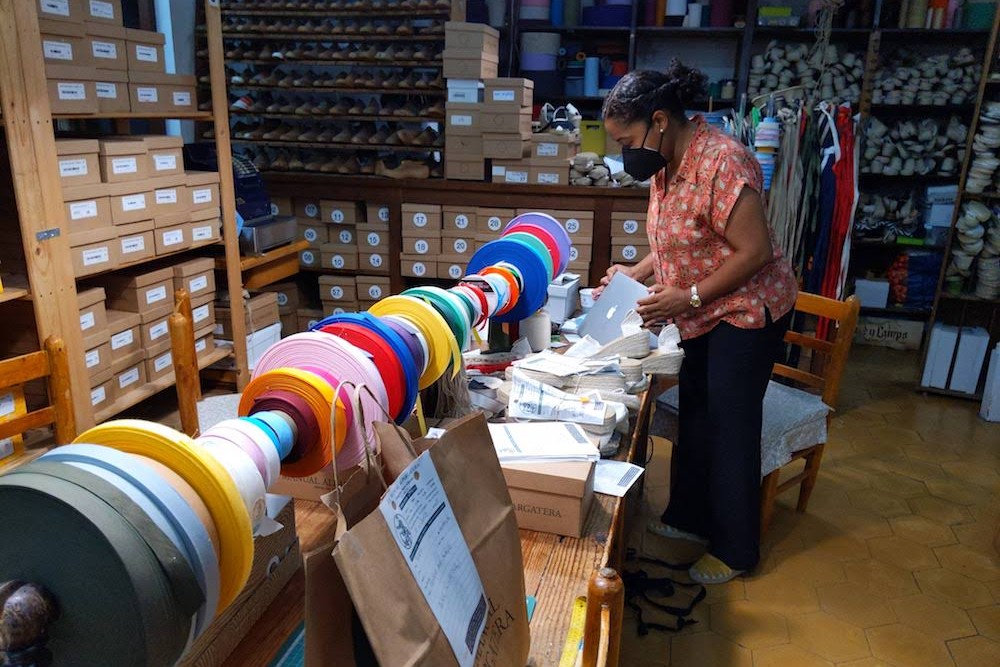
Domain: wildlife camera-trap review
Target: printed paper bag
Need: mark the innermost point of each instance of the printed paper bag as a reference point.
(436, 573)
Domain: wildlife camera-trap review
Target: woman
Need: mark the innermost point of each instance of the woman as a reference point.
(719, 276)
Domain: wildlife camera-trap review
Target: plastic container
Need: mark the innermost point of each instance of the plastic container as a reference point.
(592, 136)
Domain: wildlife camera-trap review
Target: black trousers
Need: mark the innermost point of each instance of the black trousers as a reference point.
(717, 490)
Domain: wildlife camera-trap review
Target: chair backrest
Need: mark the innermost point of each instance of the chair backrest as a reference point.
(828, 356)
(52, 364)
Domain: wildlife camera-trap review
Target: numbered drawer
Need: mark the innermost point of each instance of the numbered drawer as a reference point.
(628, 226)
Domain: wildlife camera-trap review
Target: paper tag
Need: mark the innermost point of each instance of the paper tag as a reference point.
(461, 120)
(82, 209)
(134, 202)
(311, 210)
(516, 176)
(282, 299)
(92, 358)
(336, 215)
(202, 233)
(383, 214)
(308, 257)
(107, 50)
(630, 226)
(615, 478)
(423, 525)
(96, 256)
(120, 340)
(107, 90)
(98, 396)
(203, 196)
(310, 235)
(421, 247)
(157, 294)
(374, 239)
(71, 168)
(200, 313)
(375, 292)
(87, 321)
(460, 246)
(173, 237)
(346, 236)
(274, 209)
(455, 271)
(376, 261)
(182, 98)
(419, 269)
(146, 94)
(419, 219)
(166, 197)
(165, 162)
(146, 54)
(573, 253)
(71, 91)
(503, 96)
(530, 399)
(336, 292)
(201, 345)
(461, 221)
(629, 253)
(6, 447)
(197, 284)
(572, 225)
(54, 50)
(124, 165)
(548, 178)
(494, 223)
(158, 330)
(128, 377)
(547, 150)
(102, 10)
(336, 311)
(7, 404)
(58, 7)
(338, 262)
(133, 244)
(162, 362)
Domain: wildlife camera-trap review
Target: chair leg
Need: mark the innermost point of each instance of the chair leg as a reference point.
(768, 492)
(813, 459)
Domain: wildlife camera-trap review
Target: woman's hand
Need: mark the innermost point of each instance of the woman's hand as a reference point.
(615, 268)
(664, 302)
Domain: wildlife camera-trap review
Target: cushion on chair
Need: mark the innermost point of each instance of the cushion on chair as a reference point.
(793, 420)
(215, 409)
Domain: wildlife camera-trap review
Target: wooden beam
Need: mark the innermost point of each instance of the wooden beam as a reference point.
(34, 167)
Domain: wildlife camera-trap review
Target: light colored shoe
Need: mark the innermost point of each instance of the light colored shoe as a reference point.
(710, 570)
(663, 530)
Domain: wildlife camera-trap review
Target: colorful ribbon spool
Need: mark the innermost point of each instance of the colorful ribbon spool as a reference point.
(411, 338)
(228, 433)
(512, 285)
(243, 472)
(255, 440)
(487, 289)
(546, 238)
(551, 225)
(533, 272)
(345, 393)
(453, 312)
(442, 348)
(538, 246)
(283, 439)
(300, 417)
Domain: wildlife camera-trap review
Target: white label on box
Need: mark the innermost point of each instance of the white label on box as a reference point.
(146, 54)
(461, 221)
(158, 331)
(162, 362)
(630, 226)
(164, 162)
(92, 358)
(71, 91)
(374, 239)
(547, 150)
(154, 295)
(96, 256)
(108, 91)
(182, 98)
(274, 209)
(573, 253)
(282, 299)
(308, 257)
(336, 215)
(98, 396)
(419, 219)
(455, 271)
(376, 261)
(124, 165)
(6, 447)
(145, 94)
(133, 244)
(629, 253)
(107, 50)
(134, 202)
(504, 96)
(311, 210)
(516, 176)
(82, 209)
(311, 323)
(200, 313)
(336, 311)
(338, 262)
(202, 233)
(572, 225)
(219, 329)
(54, 50)
(173, 237)
(419, 269)
(375, 292)
(548, 178)
(7, 404)
(460, 246)
(165, 197)
(383, 213)
(461, 120)
(201, 345)
(120, 340)
(87, 321)
(59, 7)
(310, 235)
(421, 247)
(203, 196)
(494, 223)
(346, 236)
(71, 168)
(128, 377)
(102, 10)
(336, 292)
(197, 284)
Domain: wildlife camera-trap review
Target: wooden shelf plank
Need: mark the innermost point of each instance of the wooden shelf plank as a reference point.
(328, 37)
(342, 146)
(379, 118)
(12, 294)
(252, 262)
(140, 262)
(231, 10)
(165, 115)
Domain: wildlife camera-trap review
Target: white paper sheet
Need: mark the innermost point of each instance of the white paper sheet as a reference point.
(542, 441)
(535, 400)
(615, 478)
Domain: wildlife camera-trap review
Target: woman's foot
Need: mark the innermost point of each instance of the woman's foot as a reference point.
(710, 570)
(664, 530)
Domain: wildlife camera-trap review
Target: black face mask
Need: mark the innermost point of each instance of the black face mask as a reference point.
(643, 163)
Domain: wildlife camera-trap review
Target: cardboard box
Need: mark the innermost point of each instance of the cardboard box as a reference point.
(506, 146)
(129, 380)
(160, 366)
(204, 343)
(170, 197)
(450, 270)
(464, 147)
(87, 208)
(203, 187)
(372, 288)
(310, 258)
(131, 202)
(156, 92)
(422, 245)
(71, 89)
(93, 313)
(339, 257)
(462, 119)
(620, 252)
(206, 227)
(166, 155)
(260, 311)
(129, 360)
(78, 162)
(289, 324)
(197, 276)
(136, 242)
(102, 395)
(377, 214)
(465, 91)
(549, 174)
(493, 220)
(473, 36)
(203, 315)
(564, 297)
(103, 11)
(61, 10)
(457, 247)
(140, 290)
(889, 332)
(105, 45)
(123, 160)
(417, 267)
(373, 238)
(554, 146)
(126, 339)
(973, 344)
(63, 43)
(578, 252)
(155, 330)
(307, 208)
(145, 50)
(307, 318)
(182, 93)
(112, 91)
(338, 288)
(343, 235)
(872, 293)
(97, 360)
(339, 212)
(511, 92)
(288, 294)
(579, 224)
(458, 220)
(374, 262)
(511, 171)
(464, 170)
(340, 307)
(628, 226)
(469, 64)
(551, 497)
(282, 206)
(173, 239)
(315, 232)
(421, 219)
(500, 119)
(94, 251)
(989, 409)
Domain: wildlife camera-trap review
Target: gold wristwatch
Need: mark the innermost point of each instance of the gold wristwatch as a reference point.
(695, 299)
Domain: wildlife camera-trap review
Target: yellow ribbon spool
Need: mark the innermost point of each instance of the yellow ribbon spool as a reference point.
(441, 341)
(206, 476)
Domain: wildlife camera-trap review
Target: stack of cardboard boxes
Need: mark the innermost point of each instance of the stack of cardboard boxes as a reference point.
(94, 64)
(262, 319)
(128, 199)
(343, 236)
(580, 227)
(471, 54)
(629, 242)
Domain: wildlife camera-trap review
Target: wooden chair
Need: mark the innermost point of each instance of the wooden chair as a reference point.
(50, 364)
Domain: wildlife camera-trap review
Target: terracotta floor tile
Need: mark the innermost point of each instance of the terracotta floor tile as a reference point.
(959, 491)
(891, 435)
(975, 652)
(870, 446)
(922, 530)
(902, 553)
(882, 579)
(953, 588)
(919, 470)
(782, 594)
(852, 602)
(970, 562)
(859, 524)
(809, 568)
(902, 645)
(899, 485)
(832, 543)
(973, 473)
(734, 589)
(994, 588)
(844, 477)
(933, 617)
(937, 509)
(867, 662)
(987, 621)
(748, 624)
(829, 637)
(708, 649)
(932, 453)
(651, 650)
(787, 655)
(879, 503)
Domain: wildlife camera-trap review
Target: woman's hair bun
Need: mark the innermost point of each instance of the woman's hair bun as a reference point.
(688, 84)
(642, 92)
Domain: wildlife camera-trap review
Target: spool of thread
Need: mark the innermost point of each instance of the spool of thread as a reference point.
(541, 42)
(537, 329)
(694, 12)
(591, 76)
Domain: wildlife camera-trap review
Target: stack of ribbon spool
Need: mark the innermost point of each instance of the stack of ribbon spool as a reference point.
(142, 535)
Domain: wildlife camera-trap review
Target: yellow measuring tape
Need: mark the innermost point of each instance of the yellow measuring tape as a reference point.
(574, 637)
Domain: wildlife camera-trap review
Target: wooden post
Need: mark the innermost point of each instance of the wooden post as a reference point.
(227, 190)
(34, 168)
(185, 364)
(605, 594)
(60, 389)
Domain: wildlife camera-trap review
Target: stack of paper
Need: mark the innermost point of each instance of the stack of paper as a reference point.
(537, 442)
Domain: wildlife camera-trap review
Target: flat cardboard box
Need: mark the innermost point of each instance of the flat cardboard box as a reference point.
(160, 366)
(513, 92)
(282, 206)
(129, 379)
(145, 50)
(554, 146)
(493, 220)
(78, 164)
(338, 212)
(172, 219)
(260, 311)
(308, 317)
(315, 232)
(450, 270)
(93, 313)
(343, 235)
(583, 252)
(465, 91)
(197, 276)
(377, 214)
(131, 202)
(423, 246)
(289, 295)
(170, 195)
(549, 175)
(338, 288)
(551, 497)
(340, 307)
(166, 155)
(126, 361)
(464, 170)
(203, 187)
(458, 247)
(307, 208)
(140, 290)
(71, 89)
(464, 146)
(339, 257)
(373, 238)
(102, 11)
(372, 288)
(94, 251)
(112, 91)
(500, 119)
(511, 171)
(458, 219)
(421, 219)
(61, 10)
(97, 360)
(474, 36)
(136, 241)
(204, 343)
(203, 315)
(183, 95)
(458, 66)
(87, 208)
(106, 46)
(462, 120)
(149, 96)
(620, 252)
(126, 339)
(155, 332)
(374, 262)
(63, 44)
(310, 258)
(627, 225)
(102, 395)
(289, 324)
(506, 146)
(173, 239)
(205, 231)
(123, 160)
(417, 267)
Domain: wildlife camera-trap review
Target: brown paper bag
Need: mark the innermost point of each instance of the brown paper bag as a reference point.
(399, 621)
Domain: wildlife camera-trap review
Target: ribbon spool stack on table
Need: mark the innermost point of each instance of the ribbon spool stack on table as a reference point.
(121, 548)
